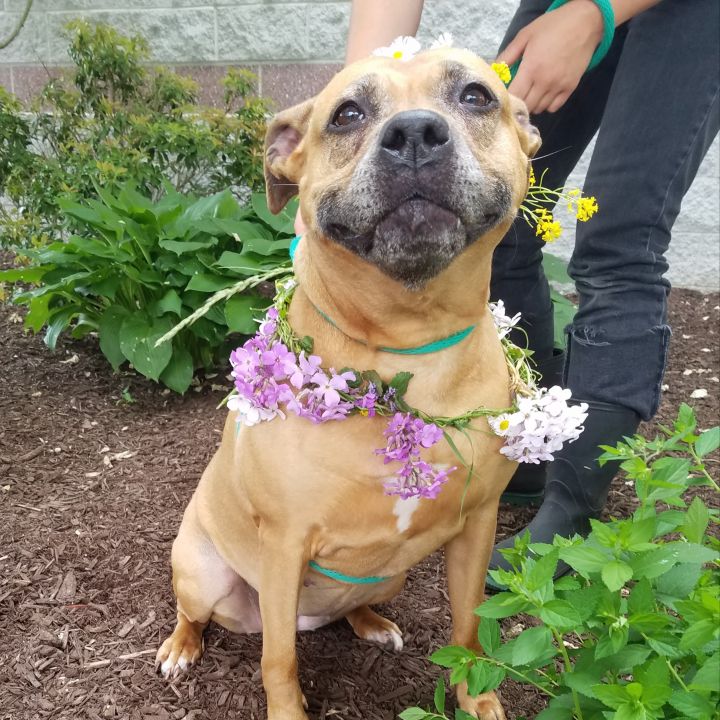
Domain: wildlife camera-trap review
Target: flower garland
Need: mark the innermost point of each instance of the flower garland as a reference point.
(276, 373)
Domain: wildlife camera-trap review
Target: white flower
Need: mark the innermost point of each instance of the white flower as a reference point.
(444, 40)
(249, 414)
(504, 323)
(540, 426)
(401, 48)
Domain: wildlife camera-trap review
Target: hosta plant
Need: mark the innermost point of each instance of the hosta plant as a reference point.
(634, 633)
(131, 269)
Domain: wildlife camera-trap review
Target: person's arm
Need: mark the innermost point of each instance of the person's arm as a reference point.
(376, 23)
(556, 49)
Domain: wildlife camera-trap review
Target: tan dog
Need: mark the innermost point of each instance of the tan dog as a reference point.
(409, 174)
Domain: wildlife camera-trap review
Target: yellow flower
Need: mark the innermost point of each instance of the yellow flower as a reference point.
(363, 412)
(532, 175)
(586, 208)
(547, 226)
(504, 424)
(503, 71)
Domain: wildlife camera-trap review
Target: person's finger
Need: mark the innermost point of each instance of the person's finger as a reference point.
(522, 83)
(514, 50)
(536, 94)
(559, 100)
(544, 103)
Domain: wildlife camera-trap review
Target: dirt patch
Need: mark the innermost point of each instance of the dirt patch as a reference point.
(95, 471)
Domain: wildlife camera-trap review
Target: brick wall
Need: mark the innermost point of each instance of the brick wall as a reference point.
(294, 48)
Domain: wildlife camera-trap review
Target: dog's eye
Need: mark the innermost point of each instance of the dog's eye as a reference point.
(347, 114)
(476, 95)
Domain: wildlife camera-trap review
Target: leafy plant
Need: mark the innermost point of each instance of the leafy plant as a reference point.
(634, 635)
(113, 120)
(132, 268)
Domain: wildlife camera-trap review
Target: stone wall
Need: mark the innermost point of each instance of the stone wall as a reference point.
(295, 47)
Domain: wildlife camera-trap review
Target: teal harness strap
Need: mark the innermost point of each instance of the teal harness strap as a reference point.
(341, 577)
(601, 50)
(426, 349)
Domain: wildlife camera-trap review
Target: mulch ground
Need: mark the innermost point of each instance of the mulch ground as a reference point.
(95, 471)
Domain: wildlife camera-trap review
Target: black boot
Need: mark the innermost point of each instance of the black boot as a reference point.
(528, 483)
(577, 487)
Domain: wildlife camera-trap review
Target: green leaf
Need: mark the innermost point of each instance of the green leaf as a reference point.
(242, 263)
(414, 713)
(706, 678)
(489, 635)
(451, 656)
(283, 222)
(641, 599)
(110, 323)
(178, 373)
(560, 707)
(170, 302)
(696, 521)
(38, 312)
(502, 605)
(609, 644)
(680, 581)
(615, 574)
(555, 269)
(23, 274)
(58, 320)
(239, 313)
(179, 247)
(611, 695)
(706, 443)
(559, 614)
(439, 697)
(137, 342)
(204, 282)
(531, 644)
(584, 559)
(400, 382)
(691, 705)
(699, 634)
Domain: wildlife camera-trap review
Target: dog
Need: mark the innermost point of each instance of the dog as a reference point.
(409, 173)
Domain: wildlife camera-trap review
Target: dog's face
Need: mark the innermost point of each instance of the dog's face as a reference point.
(405, 164)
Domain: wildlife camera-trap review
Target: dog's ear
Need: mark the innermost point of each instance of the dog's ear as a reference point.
(529, 135)
(284, 160)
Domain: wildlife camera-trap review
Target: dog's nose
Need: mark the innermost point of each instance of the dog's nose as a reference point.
(415, 137)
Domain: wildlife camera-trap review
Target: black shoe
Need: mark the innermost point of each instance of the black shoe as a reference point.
(527, 485)
(577, 487)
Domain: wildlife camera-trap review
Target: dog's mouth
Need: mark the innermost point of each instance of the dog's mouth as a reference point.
(415, 216)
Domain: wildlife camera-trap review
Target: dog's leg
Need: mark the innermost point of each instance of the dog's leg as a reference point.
(368, 625)
(283, 560)
(467, 557)
(206, 588)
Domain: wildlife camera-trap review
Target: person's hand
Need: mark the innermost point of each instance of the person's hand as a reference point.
(300, 226)
(555, 50)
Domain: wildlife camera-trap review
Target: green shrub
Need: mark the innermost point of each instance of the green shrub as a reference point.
(112, 120)
(635, 634)
(132, 268)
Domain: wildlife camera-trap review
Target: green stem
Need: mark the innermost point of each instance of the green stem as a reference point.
(568, 668)
(701, 466)
(524, 677)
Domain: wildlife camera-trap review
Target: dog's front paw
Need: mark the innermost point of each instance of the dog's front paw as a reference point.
(179, 651)
(484, 707)
(368, 625)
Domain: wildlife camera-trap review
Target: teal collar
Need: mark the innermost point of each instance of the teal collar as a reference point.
(426, 349)
(341, 577)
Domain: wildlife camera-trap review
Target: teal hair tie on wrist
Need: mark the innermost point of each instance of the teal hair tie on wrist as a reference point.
(601, 50)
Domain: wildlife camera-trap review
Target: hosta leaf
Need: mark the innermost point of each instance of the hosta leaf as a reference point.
(178, 373)
(137, 342)
(205, 282)
(110, 323)
(57, 322)
(240, 313)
